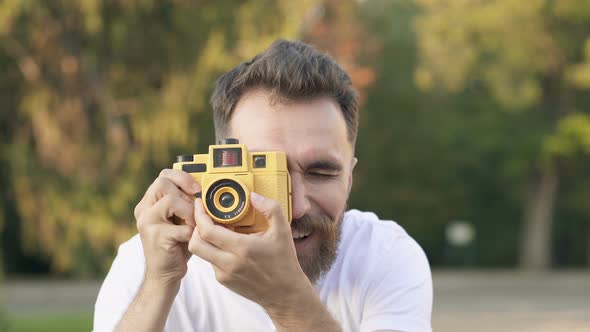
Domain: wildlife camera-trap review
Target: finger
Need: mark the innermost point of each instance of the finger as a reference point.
(159, 188)
(181, 179)
(181, 235)
(208, 251)
(164, 186)
(166, 236)
(177, 233)
(219, 236)
(164, 209)
(272, 211)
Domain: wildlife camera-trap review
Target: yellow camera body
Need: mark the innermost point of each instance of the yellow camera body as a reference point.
(229, 173)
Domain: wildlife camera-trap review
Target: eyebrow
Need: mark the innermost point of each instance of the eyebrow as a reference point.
(326, 165)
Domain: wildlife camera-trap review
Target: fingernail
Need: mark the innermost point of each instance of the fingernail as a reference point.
(255, 197)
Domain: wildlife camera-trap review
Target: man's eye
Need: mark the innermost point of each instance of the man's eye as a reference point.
(322, 175)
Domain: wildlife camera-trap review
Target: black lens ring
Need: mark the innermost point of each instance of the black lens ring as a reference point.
(210, 197)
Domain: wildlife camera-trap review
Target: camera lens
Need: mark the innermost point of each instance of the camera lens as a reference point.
(226, 200)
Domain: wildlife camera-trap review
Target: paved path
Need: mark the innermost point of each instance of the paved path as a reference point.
(464, 300)
(508, 301)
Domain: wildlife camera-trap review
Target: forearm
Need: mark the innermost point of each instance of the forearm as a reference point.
(304, 313)
(150, 308)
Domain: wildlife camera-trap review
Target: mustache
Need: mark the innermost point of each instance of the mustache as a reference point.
(312, 222)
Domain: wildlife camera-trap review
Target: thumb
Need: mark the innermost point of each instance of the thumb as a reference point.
(271, 209)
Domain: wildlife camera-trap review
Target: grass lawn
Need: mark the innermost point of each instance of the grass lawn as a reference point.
(66, 322)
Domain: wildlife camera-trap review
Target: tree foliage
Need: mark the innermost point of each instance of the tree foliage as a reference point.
(105, 92)
(467, 105)
(530, 56)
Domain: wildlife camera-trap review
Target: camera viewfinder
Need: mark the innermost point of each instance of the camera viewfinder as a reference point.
(227, 157)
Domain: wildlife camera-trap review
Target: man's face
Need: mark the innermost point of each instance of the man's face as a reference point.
(320, 159)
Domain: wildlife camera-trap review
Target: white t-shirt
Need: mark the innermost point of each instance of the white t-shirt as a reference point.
(380, 280)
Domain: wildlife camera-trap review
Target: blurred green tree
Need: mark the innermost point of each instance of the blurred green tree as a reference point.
(532, 57)
(425, 159)
(103, 94)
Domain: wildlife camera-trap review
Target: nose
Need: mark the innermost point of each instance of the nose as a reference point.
(300, 203)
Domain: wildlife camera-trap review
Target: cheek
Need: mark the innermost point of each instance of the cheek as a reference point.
(329, 197)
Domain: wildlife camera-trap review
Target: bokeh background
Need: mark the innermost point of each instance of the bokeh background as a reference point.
(474, 133)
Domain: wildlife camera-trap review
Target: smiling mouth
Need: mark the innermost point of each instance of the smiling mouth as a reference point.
(300, 235)
(303, 241)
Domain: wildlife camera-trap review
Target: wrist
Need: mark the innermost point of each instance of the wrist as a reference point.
(160, 288)
(167, 281)
(151, 306)
(301, 310)
(160, 285)
(292, 300)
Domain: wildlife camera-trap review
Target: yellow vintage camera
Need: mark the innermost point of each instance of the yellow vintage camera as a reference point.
(229, 173)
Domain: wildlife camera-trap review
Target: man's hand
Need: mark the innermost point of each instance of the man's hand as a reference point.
(262, 267)
(164, 242)
(165, 247)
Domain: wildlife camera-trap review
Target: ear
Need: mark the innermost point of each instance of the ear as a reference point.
(352, 165)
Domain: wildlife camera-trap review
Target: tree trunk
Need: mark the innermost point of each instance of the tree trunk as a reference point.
(536, 246)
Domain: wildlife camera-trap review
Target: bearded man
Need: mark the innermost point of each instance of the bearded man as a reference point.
(327, 270)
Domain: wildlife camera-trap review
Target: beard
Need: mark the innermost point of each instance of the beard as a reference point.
(318, 259)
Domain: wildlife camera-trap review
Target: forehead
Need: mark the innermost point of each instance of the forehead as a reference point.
(304, 129)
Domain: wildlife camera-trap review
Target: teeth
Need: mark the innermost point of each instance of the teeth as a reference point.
(297, 234)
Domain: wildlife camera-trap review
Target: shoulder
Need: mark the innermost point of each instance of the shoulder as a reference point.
(366, 230)
(129, 264)
(120, 285)
(391, 272)
(360, 221)
(133, 245)
(382, 246)
(128, 268)
(131, 252)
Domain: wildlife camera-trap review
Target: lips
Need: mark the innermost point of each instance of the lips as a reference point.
(306, 233)
(305, 243)
(298, 234)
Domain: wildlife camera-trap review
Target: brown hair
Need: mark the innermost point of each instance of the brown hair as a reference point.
(291, 71)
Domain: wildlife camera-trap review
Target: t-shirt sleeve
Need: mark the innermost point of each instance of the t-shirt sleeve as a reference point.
(120, 286)
(399, 297)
